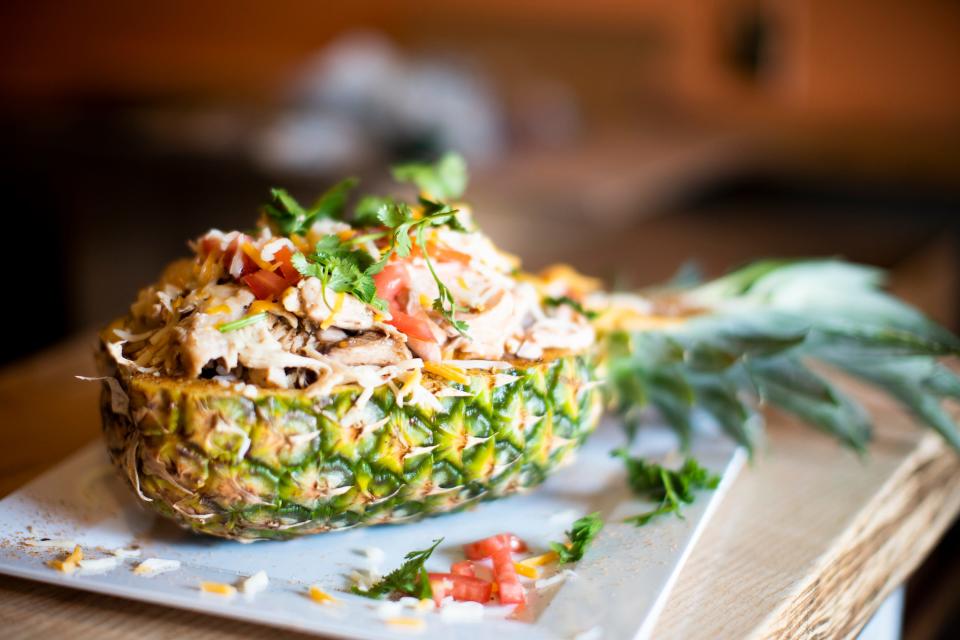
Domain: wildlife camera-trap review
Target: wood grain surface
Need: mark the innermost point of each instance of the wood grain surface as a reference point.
(807, 544)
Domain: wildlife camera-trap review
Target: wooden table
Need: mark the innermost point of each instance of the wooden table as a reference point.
(808, 543)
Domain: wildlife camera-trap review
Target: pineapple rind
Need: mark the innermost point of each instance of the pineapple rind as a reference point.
(283, 465)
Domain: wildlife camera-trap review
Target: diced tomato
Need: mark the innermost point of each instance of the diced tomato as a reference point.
(488, 546)
(463, 568)
(460, 587)
(284, 258)
(393, 285)
(265, 284)
(509, 589)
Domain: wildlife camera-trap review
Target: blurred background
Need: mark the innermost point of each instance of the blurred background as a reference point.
(625, 137)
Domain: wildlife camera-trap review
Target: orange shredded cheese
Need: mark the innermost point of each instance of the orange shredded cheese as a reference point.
(337, 306)
(346, 234)
(425, 301)
(259, 306)
(300, 242)
(251, 251)
(69, 564)
(320, 596)
(406, 622)
(541, 560)
(412, 379)
(462, 282)
(218, 588)
(447, 371)
(526, 570)
(220, 308)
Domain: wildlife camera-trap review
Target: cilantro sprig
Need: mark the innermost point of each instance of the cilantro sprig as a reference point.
(291, 217)
(673, 488)
(580, 536)
(342, 269)
(399, 218)
(410, 578)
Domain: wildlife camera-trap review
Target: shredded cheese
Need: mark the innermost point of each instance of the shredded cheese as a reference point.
(526, 570)
(425, 301)
(447, 371)
(69, 564)
(220, 308)
(218, 588)
(259, 306)
(320, 596)
(541, 560)
(346, 234)
(254, 255)
(337, 306)
(406, 622)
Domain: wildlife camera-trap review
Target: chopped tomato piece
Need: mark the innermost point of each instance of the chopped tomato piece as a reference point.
(284, 258)
(463, 568)
(393, 285)
(265, 284)
(488, 546)
(509, 589)
(461, 588)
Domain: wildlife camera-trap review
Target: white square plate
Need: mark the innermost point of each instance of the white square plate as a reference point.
(617, 591)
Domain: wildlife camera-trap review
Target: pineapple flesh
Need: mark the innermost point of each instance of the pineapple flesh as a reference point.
(280, 464)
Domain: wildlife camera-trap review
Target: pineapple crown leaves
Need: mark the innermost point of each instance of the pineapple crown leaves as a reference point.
(768, 329)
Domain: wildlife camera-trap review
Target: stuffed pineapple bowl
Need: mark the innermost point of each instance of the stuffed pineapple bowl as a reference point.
(376, 363)
(320, 374)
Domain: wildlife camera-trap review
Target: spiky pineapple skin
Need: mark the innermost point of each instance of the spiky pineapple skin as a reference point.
(281, 464)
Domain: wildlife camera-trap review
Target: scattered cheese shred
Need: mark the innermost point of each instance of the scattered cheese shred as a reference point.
(130, 552)
(98, 565)
(218, 588)
(454, 374)
(69, 564)
(526, 570)
(541, 560)
(406, 622)
(425, 301)
(255, 584)
(320, 596)
(64, 545)
(155, 566)
(251, 251)
(337, 306)
(220, 308)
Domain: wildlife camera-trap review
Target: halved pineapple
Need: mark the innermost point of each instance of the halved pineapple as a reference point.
(283, 464)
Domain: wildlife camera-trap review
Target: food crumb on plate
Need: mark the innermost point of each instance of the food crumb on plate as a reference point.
(126, 552)
(320, 596)
(546, 583)
(68, 564)
(255, 584)
(404, 622)
(96, 566)
(218, 588)
(155, 566)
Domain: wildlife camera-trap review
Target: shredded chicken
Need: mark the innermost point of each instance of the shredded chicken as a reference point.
(201, 320)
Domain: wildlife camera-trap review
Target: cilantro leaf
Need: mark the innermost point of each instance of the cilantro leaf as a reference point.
(340, 268)
(410, 578)
(367, 211)
(581, 534)
(671, 488)
(570, 302)
(291, 217)
(445, 179)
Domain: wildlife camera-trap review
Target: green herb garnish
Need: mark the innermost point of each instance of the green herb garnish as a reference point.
(581, 534)
(400, 219)
(671, 488)
(341, 268)
(570, 302)
(445, 179)
(290, 216)
(242, 322)
(410, 578)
